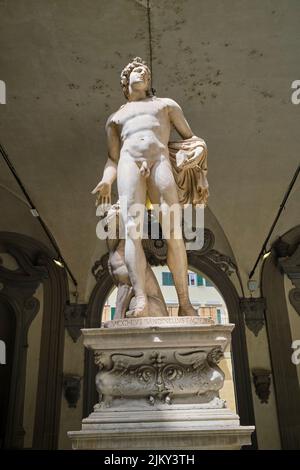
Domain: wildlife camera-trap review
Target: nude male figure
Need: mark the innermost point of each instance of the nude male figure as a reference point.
(137, 136)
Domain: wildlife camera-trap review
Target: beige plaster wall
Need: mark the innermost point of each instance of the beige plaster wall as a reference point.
(266, 420)
(227, 392)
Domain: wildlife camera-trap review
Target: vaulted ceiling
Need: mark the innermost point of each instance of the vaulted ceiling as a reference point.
(228, 63)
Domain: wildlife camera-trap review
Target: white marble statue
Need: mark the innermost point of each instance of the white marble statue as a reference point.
(146, 164)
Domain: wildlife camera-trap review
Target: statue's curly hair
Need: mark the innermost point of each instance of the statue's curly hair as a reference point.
(127, 71)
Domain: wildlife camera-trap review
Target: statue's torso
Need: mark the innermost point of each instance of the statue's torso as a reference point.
(144, 128)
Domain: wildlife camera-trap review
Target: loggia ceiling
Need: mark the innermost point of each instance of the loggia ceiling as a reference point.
(229, 63)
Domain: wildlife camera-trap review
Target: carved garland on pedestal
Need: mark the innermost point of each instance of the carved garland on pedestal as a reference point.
(160, 376)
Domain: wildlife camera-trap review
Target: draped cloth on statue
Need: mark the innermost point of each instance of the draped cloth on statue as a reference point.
(189, 164)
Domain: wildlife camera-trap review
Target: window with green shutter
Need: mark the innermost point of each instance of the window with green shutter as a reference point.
(200, 280)
(167, 279)
(112, 312)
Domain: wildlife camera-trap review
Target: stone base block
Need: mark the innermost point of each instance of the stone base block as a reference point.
(180, 427)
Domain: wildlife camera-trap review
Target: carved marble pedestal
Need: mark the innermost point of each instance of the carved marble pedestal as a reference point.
(158, 385)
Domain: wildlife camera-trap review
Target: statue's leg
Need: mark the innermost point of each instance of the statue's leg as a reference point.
(157, 306)
(124, 295)
(132, 187)
(162, 190)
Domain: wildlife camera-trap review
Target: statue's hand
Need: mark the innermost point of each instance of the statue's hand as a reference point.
(103, 192)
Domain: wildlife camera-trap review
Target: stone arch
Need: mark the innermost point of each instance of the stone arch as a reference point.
(218, 268)
(35, 266)
(239, 348)
(283, 259)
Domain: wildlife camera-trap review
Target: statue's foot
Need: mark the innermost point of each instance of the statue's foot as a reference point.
(137, 313)
(140, 309)
(187, 311)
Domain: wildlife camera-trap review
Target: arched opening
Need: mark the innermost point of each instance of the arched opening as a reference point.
(206, 300)
(205, 297)
(26, 264)
(7, 335)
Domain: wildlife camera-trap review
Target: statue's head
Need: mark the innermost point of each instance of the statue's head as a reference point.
(136, 76)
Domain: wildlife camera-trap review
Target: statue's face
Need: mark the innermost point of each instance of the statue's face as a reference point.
(139, 78)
